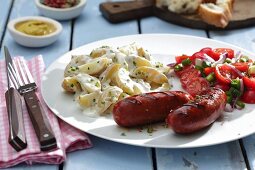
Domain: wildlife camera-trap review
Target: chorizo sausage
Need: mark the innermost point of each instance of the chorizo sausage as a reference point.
(198, 114)
(148, 108)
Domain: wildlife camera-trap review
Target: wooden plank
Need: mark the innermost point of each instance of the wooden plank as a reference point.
(226, 156)
(33, 167)
(109, 155)
(220, 157)
(243, 38)
(89, 27)
(4, 16)
(155, 25)
(249, 149)
(50, 53)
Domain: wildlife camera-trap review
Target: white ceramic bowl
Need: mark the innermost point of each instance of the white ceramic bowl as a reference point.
(61, 13)
(30, 40)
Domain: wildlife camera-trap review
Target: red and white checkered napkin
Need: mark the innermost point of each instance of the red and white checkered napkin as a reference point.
(68, 138)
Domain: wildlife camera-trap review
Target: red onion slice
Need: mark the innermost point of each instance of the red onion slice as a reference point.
(198, 62)
(171, 65)
(208, 58)
(221, 59)
(238, 55)
(241, 86)
(240, 74)
(228, 108)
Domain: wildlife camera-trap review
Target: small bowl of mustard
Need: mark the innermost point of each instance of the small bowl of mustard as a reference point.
(61, 10)
(34, 31)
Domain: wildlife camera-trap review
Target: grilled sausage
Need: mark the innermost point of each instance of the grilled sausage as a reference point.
(148, 108)
(198, 114)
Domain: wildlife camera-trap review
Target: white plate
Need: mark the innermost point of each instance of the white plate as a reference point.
(230, 127)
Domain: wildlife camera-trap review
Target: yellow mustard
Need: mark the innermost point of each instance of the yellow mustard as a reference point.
(35, 27)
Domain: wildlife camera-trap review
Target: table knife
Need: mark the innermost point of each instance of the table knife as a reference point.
(17, 137)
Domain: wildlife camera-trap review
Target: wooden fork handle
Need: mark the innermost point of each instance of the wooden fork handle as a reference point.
(40, 122)
(123, 11)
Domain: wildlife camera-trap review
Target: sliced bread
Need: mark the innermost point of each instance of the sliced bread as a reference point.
(218, 14)
(180, 6)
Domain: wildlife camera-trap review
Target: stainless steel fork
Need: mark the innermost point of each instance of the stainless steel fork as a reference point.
(25, 84)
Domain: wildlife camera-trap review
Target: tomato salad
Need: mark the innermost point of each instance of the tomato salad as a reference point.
(232, 72)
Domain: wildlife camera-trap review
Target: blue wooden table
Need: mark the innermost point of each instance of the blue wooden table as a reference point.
(91, 26)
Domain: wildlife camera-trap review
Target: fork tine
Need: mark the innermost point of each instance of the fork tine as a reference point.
(15, 75)
(24, 77)
(29, 76)
(13, 81)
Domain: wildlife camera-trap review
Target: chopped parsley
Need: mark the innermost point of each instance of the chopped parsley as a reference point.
(97, 84)
(150, 130)
(72, 68)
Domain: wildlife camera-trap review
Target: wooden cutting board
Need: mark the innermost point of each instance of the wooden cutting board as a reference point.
(115, 12)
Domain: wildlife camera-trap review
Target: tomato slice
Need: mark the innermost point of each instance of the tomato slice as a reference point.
(222, 86)
(248, 96)
(243, 67)
(209, 70)
(224, 73)
(249, 82)
(208, 51)
(197, 85)
(188, 76)
(179, 59)
(199, 55)
(218, 51)
(184, 70)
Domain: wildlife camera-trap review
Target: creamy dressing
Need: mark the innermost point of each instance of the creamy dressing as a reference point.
(108, 75)
(131, 62)
(142, 85)
(88, 83)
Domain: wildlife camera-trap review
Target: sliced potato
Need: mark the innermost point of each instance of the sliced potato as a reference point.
(88, 83)
(108, 97)
(123, 96)
(161, 67)
(143, 53)
(163, 87)
(129, 49)
(70, 84)
(150, 74)
(140, 86)
(95, 66)
(135, 61)
(109, 72)
(72, 67)
(98, 52)
(88, 100)
(142, 62)
(123, 81)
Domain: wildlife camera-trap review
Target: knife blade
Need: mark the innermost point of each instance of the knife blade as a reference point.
(17, 137)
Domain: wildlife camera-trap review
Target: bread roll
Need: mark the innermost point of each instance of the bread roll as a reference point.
(218, 14)
(180, 6)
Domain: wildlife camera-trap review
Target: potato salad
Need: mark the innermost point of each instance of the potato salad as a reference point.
(106, 75)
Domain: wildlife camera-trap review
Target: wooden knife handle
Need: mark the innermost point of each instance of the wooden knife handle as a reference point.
(17, 136)
(123, 11)
(40, 122)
